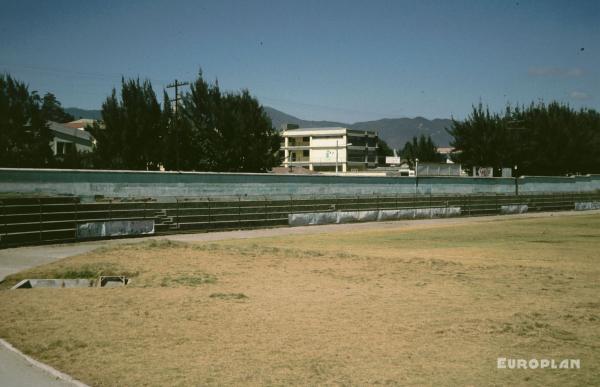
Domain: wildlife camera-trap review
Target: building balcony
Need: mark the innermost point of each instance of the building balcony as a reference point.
(298, 143)
(295, 147)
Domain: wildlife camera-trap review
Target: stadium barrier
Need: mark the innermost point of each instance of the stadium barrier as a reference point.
(63, 219)
(89, 184)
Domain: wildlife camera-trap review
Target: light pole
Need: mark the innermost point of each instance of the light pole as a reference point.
(516, 181)
(417, 171)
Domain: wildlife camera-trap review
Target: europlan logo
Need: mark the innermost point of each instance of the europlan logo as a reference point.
(533, 364)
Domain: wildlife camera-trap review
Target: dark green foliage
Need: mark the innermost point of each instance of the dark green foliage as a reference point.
(383, 150)
(211, 131)
(132, 136)
(421, 148)
(24, 135)
(225, 131)
(53, 111)
(540, 139)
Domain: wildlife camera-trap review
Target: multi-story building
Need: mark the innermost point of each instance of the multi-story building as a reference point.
(329, 149)
(66, 139)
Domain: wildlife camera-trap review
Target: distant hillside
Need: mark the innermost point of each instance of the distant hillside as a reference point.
(279, 118)
(395, 131)
(82, 113)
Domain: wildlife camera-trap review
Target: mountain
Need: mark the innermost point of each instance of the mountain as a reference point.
(395, 131)
(279, 118)
(82, 113)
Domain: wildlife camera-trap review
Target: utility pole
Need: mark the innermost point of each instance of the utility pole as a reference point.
(176, 85)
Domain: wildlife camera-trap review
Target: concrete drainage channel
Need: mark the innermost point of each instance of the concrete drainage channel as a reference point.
(112, 281)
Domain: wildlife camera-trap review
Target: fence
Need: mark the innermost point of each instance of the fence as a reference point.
(54, 219)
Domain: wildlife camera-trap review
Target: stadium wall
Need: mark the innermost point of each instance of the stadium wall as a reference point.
(142, 184)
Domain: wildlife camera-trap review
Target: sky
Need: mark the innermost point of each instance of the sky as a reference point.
(334, 60)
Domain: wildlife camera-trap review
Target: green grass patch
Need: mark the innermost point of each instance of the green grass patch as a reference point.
(195, 279)
(229, 296)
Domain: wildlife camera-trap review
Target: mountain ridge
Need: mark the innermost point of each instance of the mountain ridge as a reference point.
(394, 131)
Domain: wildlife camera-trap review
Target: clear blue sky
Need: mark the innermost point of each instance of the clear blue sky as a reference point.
(337, 60)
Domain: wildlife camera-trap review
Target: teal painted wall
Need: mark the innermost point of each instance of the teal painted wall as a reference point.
(88, 183)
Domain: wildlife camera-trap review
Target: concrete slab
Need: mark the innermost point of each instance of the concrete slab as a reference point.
(54, 283)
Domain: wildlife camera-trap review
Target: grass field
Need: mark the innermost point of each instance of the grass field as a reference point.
(435, 305)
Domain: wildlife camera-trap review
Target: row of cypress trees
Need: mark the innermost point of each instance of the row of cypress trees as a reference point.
(211, 131)
(540, 139)
(229, 131)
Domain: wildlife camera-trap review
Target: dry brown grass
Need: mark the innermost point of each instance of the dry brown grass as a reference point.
(433, 306)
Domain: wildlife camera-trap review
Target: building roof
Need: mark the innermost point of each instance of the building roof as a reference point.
(327, 129)
(69, 133)
(324, 128)
(81, 123)
(445, 150)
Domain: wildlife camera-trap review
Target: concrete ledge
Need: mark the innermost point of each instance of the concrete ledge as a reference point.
(105, 281)
(514, 209)
(312, 218)
(115, 228)
(587, 206)
(53, 283)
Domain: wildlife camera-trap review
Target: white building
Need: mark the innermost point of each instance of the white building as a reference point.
(446, 152)
(66, 139)
(330, 149)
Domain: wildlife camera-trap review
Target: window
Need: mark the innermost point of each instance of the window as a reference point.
(305, 139)
(306, 153)
(62, 148)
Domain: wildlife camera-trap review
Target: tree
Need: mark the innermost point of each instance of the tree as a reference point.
(481, 140)
(24, 136)
(423, 149)
(540, 139)
(133, 133)
(383, 150)
(250, 143)
(199, 127)
(53, 111)
(228, 132)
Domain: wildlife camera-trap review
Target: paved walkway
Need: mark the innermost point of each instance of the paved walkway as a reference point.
(15, 371)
